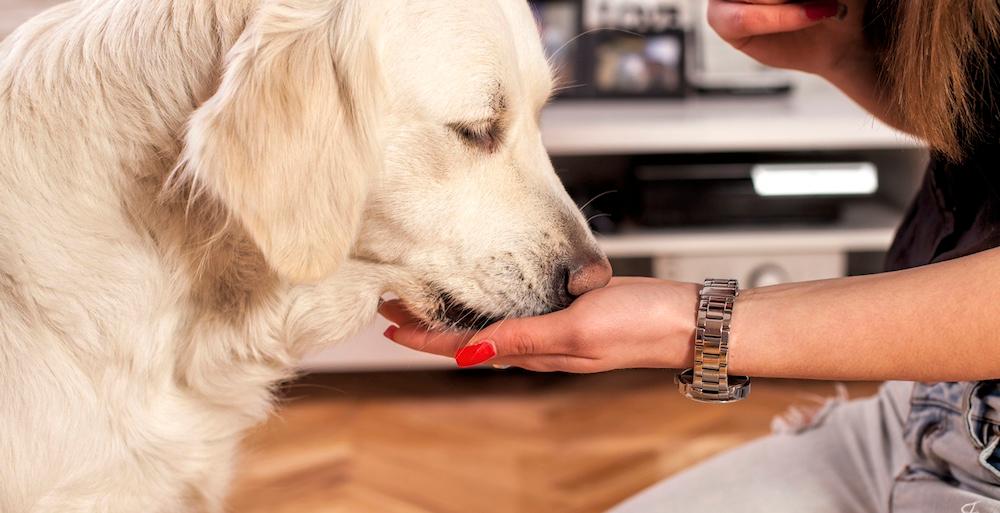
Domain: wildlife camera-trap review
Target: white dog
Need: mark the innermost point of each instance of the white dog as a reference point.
(194, 193)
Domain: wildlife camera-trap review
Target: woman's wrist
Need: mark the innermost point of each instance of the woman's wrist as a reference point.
(676, 320)
(751, 337)
(740, 328)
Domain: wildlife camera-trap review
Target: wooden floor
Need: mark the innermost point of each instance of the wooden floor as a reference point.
(489, 441)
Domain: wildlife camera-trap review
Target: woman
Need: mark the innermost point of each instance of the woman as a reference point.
(924, 66)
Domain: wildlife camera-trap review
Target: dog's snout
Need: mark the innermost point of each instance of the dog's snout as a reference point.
(587, 271)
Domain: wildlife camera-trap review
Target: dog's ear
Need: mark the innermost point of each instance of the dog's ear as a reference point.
(287, 141)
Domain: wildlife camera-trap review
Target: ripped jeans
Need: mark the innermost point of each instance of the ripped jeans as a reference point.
(911, 448)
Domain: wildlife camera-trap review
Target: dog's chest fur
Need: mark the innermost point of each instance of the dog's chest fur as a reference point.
(142, 329)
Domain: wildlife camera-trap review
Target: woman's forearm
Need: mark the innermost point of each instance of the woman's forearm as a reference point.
(935, 323)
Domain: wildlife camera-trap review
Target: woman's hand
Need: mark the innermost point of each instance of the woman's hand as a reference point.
(933, 323)
(633, 322)
(822, 37)
(817, 36)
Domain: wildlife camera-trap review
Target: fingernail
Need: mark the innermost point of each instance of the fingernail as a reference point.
(821, 11)
(475, 354)
(390, 331)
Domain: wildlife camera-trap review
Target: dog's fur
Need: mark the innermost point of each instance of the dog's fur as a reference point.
(195, 193)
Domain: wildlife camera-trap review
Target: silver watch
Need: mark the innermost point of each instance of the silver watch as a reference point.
(709, 381)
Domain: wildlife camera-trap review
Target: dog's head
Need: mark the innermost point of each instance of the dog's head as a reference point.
(404, 133)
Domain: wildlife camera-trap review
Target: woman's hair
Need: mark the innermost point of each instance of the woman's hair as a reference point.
(936, 57)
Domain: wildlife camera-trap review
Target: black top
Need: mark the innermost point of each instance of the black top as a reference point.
(956, 213)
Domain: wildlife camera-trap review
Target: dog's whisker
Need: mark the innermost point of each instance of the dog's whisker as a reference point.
(595, 216)
(449, 325)
(497, 327)
(465, 316)
(442, 307)
(313, 386)
(566, 87)
(595, 198)
(572, 40)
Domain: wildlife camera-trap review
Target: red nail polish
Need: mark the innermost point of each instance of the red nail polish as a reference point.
(821, 11)
(390, 331)
(475, 354)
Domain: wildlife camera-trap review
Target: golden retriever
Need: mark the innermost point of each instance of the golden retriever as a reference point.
(195, 193)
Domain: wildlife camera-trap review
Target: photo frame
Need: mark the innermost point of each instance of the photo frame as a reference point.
(560, 23)
(639, 65)
(626, 56)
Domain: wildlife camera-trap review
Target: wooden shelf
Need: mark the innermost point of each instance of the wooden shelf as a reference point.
(863, 228)
(815, 117)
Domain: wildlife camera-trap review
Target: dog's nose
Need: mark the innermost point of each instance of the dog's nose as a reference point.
(588, 271)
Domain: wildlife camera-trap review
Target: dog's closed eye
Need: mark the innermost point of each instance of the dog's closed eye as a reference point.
(486, 135)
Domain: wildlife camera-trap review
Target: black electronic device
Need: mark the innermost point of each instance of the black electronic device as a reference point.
(665, 194)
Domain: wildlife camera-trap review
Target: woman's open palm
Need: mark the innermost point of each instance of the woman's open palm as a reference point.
(633, 322)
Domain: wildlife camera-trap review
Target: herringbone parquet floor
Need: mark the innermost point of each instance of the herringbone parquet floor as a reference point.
(489, 441)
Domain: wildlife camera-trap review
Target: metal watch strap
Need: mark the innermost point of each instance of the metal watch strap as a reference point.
(709, 380)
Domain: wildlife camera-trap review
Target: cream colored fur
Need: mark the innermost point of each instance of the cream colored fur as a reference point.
(195, 193)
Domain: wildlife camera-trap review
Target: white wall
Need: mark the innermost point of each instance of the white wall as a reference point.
(16, 12)
(685, 9)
